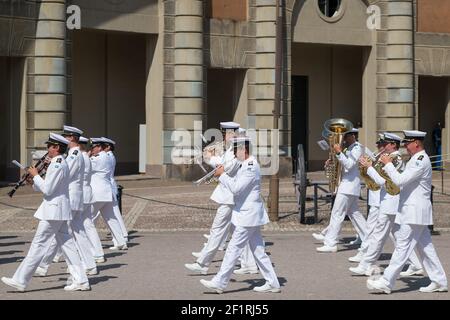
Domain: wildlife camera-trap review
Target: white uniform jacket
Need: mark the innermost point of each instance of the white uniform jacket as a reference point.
(415, 181)
(249, 210)
(388, 203)
(55, 187)
(100, 178)
(87, 190)
(350, 182)
(112, 163)
(221, 194)
(75, 162)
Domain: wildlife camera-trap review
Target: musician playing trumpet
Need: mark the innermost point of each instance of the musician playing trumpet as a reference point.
(221, 195)
(389, 202)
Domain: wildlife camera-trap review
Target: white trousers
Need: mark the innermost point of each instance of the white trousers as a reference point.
(240, 238)
(219, 232)
(344, 204)
(371, 222)
(410, 236)
(119, 218)
(107, 212)
(246, 260)
(385, 226)
(81, 241)
(91, 232)
(46, 231)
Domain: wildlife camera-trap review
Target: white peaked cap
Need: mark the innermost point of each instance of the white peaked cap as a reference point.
(414, 134)
(57, 138)
(229, 125)
(391, 137)
(72, 130)
(84, 140)
(107, 140)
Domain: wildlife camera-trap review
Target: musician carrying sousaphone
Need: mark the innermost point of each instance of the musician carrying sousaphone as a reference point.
(348, 192)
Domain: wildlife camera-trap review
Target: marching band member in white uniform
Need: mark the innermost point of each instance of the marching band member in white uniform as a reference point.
(75, 162)
(388, 209)
(414, 217)
(348, 193)
(89, 226)
(102, 193)
(54, 214)
(373, 202)
(248, 216)
(222, 196)
(110, 146)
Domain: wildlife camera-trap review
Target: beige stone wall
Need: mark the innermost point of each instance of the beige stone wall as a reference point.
(120, 15)
(349, 28)
(18, 27)
(154, 104)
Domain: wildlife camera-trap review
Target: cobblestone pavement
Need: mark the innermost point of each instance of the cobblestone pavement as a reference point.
(153, 268)
(155, 205)
(166, 220)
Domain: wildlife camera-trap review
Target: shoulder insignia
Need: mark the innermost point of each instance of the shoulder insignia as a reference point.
(59, 160)
(75, 152)
(420, 158)
(250, 163)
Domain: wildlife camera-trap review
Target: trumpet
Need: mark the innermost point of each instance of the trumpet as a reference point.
(207, 178)
(389, 185)
(371, 185)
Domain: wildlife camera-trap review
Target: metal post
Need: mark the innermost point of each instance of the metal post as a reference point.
(274, 184)
(119, 197)
(316, 209)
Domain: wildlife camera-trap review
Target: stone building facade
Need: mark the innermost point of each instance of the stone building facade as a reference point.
(384, 64)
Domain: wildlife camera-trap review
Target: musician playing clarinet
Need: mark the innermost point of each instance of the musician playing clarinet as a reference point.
(54, 214)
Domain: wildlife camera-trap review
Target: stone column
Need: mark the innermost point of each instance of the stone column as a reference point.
(183, 68)
(261, 78)
(46, 78)
(395, 80)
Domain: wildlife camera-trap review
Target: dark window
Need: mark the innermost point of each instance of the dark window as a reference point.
(329, 8)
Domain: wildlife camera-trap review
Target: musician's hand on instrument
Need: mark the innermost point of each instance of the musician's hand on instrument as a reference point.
(29, 180)
(337, 148)
(33, 171)
(385, 158)
(219, 171)
(365, 162)
(327, 163)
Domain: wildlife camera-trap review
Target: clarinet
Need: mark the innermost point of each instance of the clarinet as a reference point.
(41, 166)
